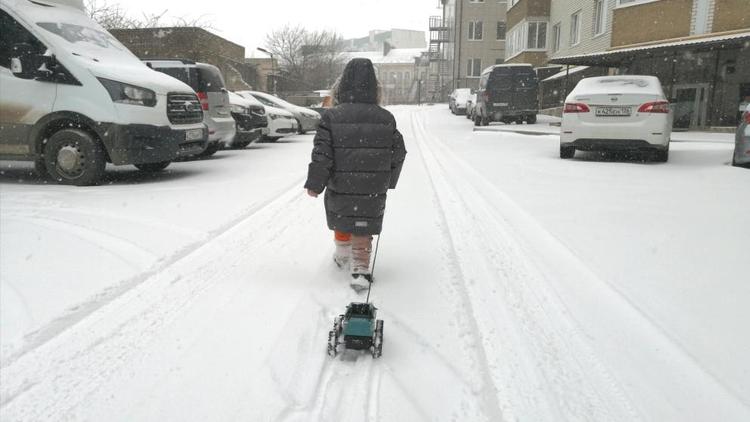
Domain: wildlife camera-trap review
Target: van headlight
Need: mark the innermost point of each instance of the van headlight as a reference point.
(129, 94)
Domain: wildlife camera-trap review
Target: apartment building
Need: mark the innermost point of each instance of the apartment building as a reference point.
(469, 37)
(397, 38)
(699, 49)
(575, 27)
(399, 71)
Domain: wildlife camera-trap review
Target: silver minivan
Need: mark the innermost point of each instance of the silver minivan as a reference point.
(207, 82)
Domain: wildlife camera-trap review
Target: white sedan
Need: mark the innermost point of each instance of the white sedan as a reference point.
(280, 122)
(617, 113)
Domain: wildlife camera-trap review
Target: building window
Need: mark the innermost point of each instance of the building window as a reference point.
(537, 36)
(575, 28)
(475, 31)
(600, 17)
(556, 37)
(476, 1)
(500, 31)
(474, 68)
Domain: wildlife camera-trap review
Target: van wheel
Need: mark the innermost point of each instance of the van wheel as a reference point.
(153, 167)
(567, 152)
(531, 119)
(74, 157)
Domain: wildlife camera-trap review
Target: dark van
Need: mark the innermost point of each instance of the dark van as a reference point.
(507, 93)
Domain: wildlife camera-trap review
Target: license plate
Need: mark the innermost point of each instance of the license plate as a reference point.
(194, 135)
(613, 111)
(500, 104)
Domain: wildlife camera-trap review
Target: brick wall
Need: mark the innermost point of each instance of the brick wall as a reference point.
(189, 43)
(731, 14)
(658, 20)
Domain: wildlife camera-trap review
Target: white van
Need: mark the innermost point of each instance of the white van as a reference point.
(72, 98)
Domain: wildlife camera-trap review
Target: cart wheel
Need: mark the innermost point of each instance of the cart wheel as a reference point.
(338, 325)
(377, 342)
(332, 344)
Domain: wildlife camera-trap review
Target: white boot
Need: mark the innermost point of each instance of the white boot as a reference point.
(361, 249)
(343, 254)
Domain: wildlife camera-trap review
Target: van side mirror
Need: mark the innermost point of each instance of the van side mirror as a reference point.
(26, 62)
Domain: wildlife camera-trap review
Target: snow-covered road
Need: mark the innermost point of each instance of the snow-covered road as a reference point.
(513, 285)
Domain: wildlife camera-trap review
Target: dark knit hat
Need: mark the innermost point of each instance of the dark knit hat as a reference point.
(358, 83)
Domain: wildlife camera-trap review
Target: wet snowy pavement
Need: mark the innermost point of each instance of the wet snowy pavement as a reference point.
(513, 285)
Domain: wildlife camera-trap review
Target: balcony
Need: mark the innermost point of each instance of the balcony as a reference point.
(439, 36)
(437, 24)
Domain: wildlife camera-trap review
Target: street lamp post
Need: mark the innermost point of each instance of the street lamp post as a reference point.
(273, 67)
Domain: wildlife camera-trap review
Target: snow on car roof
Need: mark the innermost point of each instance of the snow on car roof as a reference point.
(621, 84)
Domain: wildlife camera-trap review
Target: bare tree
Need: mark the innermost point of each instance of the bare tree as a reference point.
(113, 16)
(110, 16)
(308, 59)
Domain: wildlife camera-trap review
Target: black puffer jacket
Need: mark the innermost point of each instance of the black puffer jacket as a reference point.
(357, 156)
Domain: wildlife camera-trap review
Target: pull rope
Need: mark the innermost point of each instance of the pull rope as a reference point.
(372, 271)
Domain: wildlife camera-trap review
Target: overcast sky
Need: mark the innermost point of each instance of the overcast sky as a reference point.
(247, 22)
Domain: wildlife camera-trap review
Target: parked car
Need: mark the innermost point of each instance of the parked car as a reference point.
(507, 93)
(457, 100)
(307, 119)
(620, 113)
(281, 123)
(741, 156)
(470, 105)
(250, 120)
(74, 98)
(207, 82)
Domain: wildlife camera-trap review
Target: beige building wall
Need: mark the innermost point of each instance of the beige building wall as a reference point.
(731, 15)
(665, 19)
(489, 50)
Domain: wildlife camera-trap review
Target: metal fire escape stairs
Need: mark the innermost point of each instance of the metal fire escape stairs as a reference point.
(439, 71)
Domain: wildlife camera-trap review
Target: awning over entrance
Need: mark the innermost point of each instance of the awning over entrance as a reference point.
(620, 56)
(565, 72)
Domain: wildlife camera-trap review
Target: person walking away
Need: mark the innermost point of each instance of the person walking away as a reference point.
(358, 154)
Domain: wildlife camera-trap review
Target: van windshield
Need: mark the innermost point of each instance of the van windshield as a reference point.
(77, 34)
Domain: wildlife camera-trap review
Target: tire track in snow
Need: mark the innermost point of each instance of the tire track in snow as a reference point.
(490, 406)
(553, 384)
(671, 385)
(52, 379)
(79, 312)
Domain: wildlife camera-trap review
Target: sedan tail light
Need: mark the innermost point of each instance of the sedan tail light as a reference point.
(203, 97)
(576, 108)
(655, 107)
